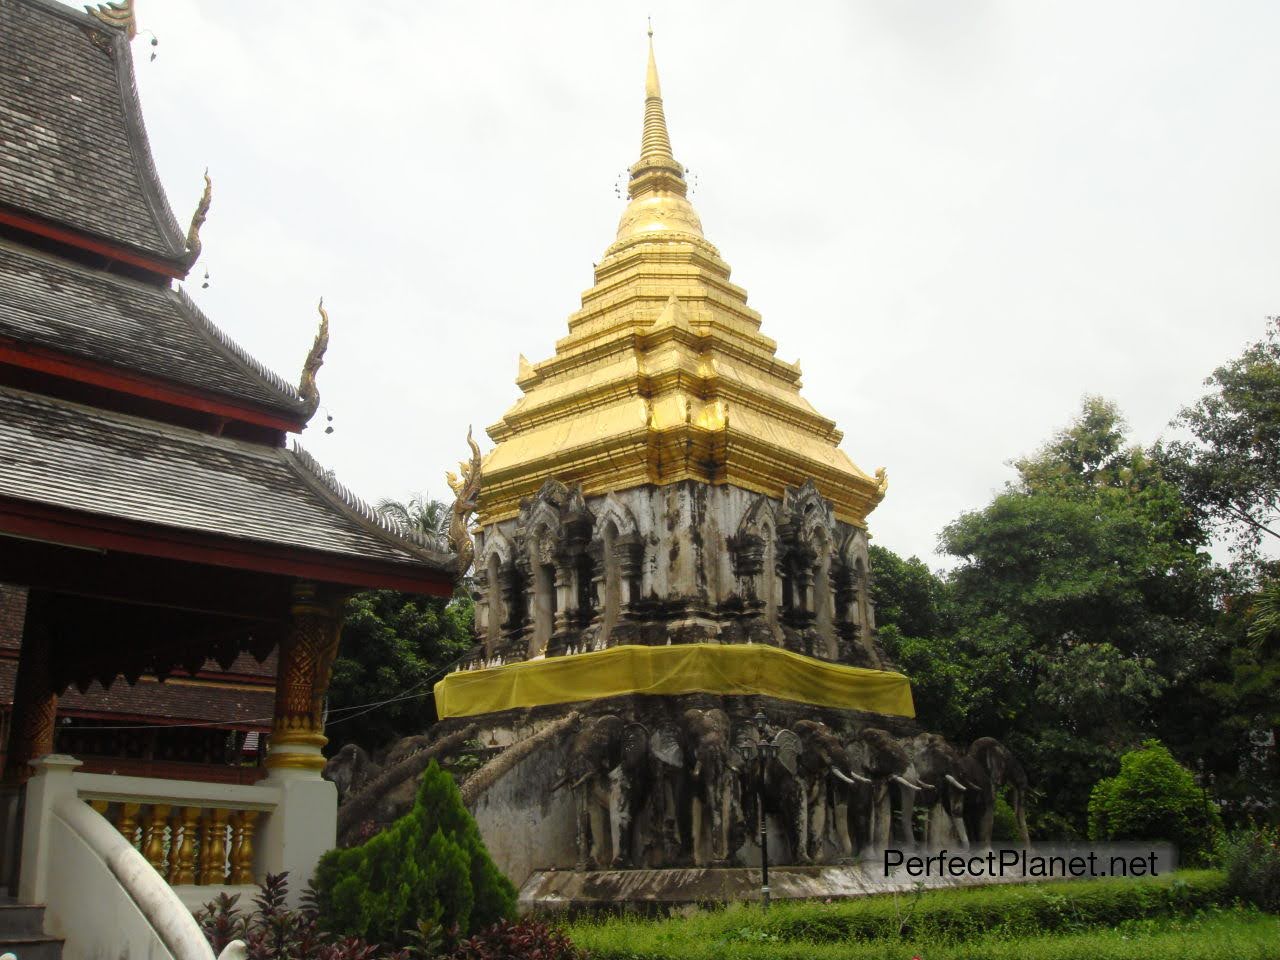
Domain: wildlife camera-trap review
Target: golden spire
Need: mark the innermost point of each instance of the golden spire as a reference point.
(657, 188)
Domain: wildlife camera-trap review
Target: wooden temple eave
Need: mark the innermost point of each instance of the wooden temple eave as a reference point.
(52, 526)
(159, 394)
(102, 250)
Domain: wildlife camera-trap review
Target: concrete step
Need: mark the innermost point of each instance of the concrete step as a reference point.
(22, 933)
(32, 947)
(17, 920)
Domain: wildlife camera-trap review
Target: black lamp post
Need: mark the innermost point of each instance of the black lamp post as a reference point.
(767, 750)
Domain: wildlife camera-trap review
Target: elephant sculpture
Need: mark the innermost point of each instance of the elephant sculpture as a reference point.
(714, 791)
(990, 767)
(939, 768)
(348, 769)
(607, 771)
(875, 755)
(782, 788)
(827, 779)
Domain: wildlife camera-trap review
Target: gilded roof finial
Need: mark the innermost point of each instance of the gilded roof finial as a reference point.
(118, 14)
(307, 388)
(657, 188)
(197, 221)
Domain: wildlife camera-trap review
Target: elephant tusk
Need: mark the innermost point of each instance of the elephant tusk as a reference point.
(924, 786)
(956, 783)
(851, 782)
(905, 782)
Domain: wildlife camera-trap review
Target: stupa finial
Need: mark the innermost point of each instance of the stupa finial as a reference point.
(657, 189)
(656, 143)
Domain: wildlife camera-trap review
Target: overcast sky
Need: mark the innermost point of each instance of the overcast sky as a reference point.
(960, 216)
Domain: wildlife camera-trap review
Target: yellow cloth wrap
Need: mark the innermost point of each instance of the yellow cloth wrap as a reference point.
(734, 669)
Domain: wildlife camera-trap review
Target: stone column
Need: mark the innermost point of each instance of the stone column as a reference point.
(302, 679)
(566, 604)
(35, 704)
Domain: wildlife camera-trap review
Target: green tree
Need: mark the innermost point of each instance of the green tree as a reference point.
(1230, 468)
(419, 513)
(430, 866)
(394, 647)
(915, 622)
(1082, 596)
(1153, 797)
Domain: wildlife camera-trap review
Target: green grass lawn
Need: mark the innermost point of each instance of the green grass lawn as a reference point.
(1180, 916)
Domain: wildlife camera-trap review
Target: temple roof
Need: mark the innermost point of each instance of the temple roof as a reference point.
(76, 150)
(665, 375)
(105, 318)
(62, 455)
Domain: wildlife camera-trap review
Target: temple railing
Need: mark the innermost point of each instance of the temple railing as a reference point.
(193, 834)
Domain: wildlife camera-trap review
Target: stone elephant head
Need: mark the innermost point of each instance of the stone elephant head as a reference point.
(990, 767)
(607, 764)
(828, 778)
(939, 768)
(878, 756)
(348, 769)
(777, 783)
(714, 789)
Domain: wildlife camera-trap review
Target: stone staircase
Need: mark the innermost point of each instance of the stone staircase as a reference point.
(22, 933)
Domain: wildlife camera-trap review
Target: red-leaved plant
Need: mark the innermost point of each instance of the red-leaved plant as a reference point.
(519, 940)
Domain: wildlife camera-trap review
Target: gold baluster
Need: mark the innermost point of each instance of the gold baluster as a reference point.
(100, 806)
(242, 852)
(153, 836)
(215, 867)
(127, 821)
(206, 835)
(182, 863)
(236, 824)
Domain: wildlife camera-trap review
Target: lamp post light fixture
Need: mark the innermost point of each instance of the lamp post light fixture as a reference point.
(767, 751)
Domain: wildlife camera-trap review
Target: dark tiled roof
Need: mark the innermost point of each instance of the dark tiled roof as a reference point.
(75, 148)
(106, 318)
(81, 458)
(177, 699)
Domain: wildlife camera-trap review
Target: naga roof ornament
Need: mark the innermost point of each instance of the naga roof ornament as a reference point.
(198, 218)
(307, 388)
(118, 14)
(465, 485)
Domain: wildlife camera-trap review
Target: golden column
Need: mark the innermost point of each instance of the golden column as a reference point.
(302, 679)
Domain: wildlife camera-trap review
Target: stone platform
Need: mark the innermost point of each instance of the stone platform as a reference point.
(660, 890)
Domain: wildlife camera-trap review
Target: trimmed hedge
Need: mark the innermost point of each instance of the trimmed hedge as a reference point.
(1007, 913)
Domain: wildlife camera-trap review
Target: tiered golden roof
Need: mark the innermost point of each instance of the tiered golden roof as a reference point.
(664, 375)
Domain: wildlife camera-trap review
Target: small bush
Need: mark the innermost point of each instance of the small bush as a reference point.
(1251, 859)
(521, 939)
(430, 866)
(1004, 825)
(271, 931)
(1155, 798)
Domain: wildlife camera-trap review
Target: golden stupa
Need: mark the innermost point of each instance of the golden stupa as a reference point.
(665, 375)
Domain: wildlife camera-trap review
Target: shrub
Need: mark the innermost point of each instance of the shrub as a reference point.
(271, 931)
(1004, 825)
(523, 938)
(430, 866)
(1155, 798)
(1251, 859)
